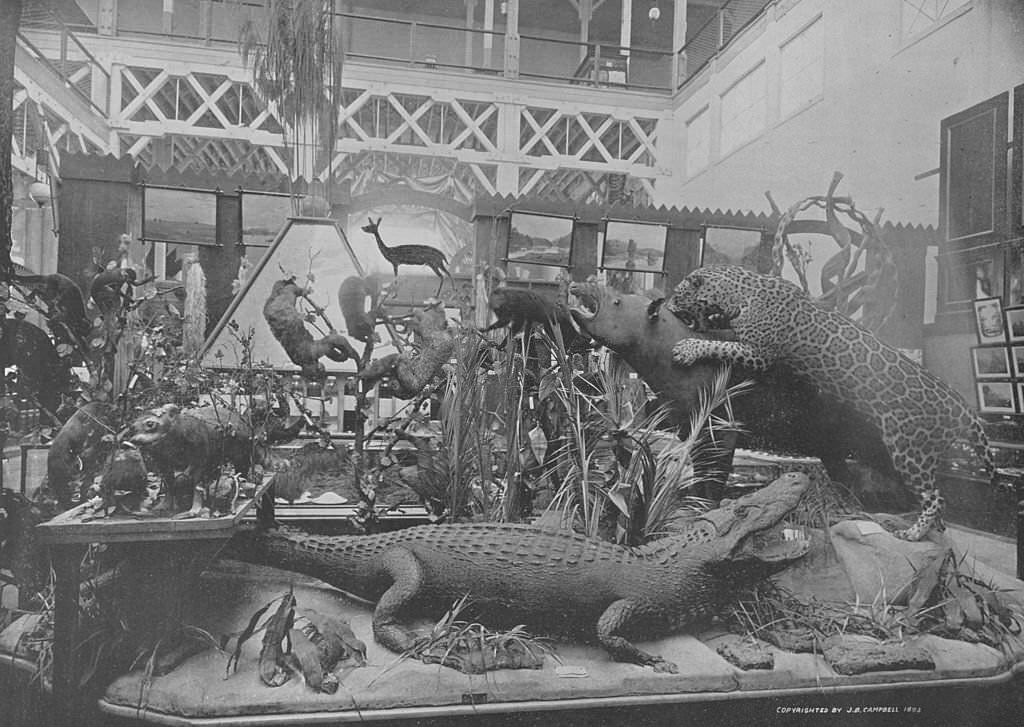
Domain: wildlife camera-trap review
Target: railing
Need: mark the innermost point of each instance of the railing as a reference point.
(714, 35)
(79, 69)
(432, 45)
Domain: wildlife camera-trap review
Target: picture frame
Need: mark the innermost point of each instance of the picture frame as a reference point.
(539, 239)
(261, 216)
(1020, 397)
(1017, 361)
(724, 245)
(988, 321)
(1015, 323)
(634, 246)
(993, 362)
(179, 215)
(996, 397)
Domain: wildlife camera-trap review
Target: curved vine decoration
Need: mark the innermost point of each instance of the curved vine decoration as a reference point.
(865, 293)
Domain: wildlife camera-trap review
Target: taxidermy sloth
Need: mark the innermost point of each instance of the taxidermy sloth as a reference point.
(289, 328)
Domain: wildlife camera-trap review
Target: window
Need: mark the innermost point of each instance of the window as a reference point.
(166, 260)
(802, 69)
(973, 172)
(743, 110)
(919, 16)
(698, 132)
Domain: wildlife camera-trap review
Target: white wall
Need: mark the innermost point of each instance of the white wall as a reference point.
(877, 119)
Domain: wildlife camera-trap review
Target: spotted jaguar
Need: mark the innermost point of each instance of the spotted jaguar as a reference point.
(771, 321)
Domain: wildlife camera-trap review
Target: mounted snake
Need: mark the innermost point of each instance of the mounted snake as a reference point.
(771, 321)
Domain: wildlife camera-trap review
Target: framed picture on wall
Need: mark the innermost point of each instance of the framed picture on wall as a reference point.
(262, 217)
(988, 321)
(179, 215)
(1020, 397)
(996, 397)
(539, 239)
(634, 246)
(732, 246)
(993, 362)
(1015, 323)
(1017, 361)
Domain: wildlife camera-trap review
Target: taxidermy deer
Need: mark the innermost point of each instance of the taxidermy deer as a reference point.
(410, 254)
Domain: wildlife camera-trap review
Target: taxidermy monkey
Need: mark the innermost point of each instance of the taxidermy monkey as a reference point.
(111, 290)
(64, 298)
(352, 297)
(289, 328)
(519, 308)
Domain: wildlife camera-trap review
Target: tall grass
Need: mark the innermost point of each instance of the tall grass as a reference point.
(616, 455)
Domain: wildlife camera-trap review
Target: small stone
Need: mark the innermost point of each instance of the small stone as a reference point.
(847, 656)
(744, 655)
(797, 639)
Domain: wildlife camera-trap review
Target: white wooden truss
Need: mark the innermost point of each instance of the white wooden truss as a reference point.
(183, 117)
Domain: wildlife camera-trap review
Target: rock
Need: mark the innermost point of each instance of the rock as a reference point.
(745, 654)
(798, 639)
(850, 655)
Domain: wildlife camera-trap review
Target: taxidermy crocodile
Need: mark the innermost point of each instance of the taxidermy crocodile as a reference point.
(554, 581)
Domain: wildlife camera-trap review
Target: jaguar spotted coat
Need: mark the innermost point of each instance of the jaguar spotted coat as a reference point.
(774, 322)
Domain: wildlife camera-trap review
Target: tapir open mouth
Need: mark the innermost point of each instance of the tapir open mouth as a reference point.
(588, 302)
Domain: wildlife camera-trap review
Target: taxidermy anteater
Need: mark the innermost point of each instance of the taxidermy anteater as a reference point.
(410, 254)
(352, 297)
(519, 308)
(65, 302)
(289, 328)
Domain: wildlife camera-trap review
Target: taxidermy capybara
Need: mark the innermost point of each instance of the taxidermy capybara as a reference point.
(289, 328)
(40, 368)
(188, 446)
(780, 414)
(352, 298)
(79, 451)
(518, 308)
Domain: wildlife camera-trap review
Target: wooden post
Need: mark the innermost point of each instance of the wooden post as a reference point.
(107, 17)
(626, 28)
(1018, 487)
(512, 39)
(586, 12)
(66, 572)
(678, 41)
(470, 10)
(167, 21)
(488, 37)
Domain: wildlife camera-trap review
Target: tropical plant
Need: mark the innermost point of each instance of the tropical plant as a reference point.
(295, 53)
(616, 451)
